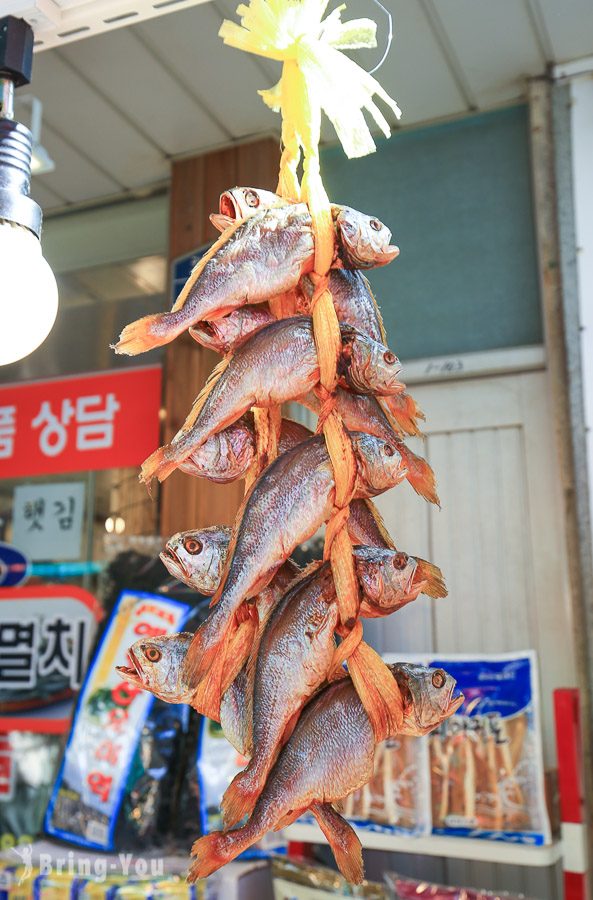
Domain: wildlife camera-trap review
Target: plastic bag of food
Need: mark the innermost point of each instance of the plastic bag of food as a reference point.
(397, 798)
(304, 881)
(107, 762)
(28, 766)
(486, 760)
(402, 888)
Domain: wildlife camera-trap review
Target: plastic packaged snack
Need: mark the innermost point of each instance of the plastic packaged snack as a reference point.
(97, 772)
(397, 798)
(303, 881)
(486, 760)
(28, 765)
(402, 888)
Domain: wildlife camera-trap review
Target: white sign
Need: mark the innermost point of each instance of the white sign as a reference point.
(47, 520)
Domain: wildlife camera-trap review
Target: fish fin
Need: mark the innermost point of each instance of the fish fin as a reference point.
(241, 796)
(210, 853)
(289, 818)
(420, 475)
(213, 379)
(308, 570)
(343, 841)
(244, 643)
(199, 268)
(206, 697)
(403, 409)
(208, 651)
(434, 583)
(378, 691)
(380, 523)
(220, 221)
(140, 336)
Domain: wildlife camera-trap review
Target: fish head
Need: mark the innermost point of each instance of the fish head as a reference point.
(223, 457)
(364, 240)
(380, 465)
(213, 335)
(197, 557)
(429, 696)
(386, 577)
(367, 366)
(230, 332)
(156, 665)
(243, 202)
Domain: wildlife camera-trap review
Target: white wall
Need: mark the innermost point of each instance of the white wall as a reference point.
(582, 158)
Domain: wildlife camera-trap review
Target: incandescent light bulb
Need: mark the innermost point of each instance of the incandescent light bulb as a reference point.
(28, 293)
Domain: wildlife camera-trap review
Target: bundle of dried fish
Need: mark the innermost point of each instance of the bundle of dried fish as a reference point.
(282, 296)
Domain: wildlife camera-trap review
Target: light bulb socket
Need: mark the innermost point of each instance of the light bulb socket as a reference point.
(16, 146)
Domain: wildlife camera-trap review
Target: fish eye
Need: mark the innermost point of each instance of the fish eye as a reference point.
(251, 198)
(400, 560)
(439, 678)
(376, 225)
(152, 654)
(192, 546)
(388, 449)
(389, 357)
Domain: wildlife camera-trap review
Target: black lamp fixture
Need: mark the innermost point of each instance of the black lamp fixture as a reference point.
(28, 291)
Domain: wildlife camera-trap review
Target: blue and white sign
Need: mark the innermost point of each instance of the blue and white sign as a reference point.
(15, 568)
(182, 267)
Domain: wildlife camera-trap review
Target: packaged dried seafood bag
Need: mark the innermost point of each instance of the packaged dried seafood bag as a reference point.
(102, 768)
(305, 881)
(402, 888)
(486, 760)
(397, 798)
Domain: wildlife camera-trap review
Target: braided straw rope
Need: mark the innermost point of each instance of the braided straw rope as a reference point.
(316, 74)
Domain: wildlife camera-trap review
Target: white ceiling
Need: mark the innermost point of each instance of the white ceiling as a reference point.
(119, 106)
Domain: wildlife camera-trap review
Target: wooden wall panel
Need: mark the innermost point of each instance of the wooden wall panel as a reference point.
(188, 502)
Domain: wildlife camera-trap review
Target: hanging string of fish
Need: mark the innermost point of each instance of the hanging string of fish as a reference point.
(280, 661)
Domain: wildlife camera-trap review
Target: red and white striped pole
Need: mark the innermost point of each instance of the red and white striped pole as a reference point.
(570, 783)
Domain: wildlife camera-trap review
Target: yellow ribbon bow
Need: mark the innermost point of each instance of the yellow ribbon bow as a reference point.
(294, 32)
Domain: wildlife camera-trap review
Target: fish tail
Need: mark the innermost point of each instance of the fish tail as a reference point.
(149, 332)
(155, 467)
(405, 411)
(213, 851)
(165, 460)
(420, 475)
(343, 841)
(435, 583)
(241, 795)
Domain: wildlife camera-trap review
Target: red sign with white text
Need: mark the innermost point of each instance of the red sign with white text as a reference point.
(79, 423)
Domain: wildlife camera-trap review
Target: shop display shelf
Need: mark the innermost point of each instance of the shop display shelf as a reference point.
(437, 845)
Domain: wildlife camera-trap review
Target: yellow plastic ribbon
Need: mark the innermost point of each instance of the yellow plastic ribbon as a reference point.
(316, 77)
(294, 32)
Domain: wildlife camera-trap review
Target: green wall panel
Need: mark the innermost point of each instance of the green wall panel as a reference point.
(457, 197)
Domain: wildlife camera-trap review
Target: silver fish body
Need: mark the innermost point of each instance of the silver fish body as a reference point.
(229, 454)
(287, 504)
(254, 260)
(329, 754)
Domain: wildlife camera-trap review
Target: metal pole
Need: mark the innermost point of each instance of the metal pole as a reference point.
(554, 223)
